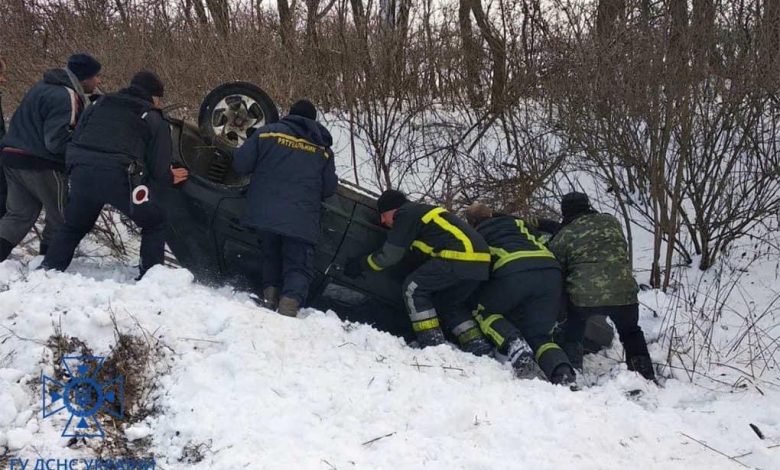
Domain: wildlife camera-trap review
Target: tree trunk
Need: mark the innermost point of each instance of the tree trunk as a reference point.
(220, 13)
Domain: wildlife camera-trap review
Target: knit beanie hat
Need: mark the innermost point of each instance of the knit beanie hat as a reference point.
(304, 108)
(83, 66)
(149, 82)
(389, 200)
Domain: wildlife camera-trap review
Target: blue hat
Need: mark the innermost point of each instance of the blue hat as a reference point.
(83, 66)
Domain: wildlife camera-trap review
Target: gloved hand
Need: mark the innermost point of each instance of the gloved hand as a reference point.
(355, 267)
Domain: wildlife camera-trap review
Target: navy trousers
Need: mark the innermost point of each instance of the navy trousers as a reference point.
(90, 189)
(288, 264)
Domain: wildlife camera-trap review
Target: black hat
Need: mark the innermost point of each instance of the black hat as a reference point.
(573, 204)
(389, 200)
(304, 108)
(149, 82)
(83, 66)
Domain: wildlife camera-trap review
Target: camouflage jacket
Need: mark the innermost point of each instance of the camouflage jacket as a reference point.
(594, 255)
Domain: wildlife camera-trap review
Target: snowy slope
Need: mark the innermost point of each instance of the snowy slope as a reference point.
(255, 390)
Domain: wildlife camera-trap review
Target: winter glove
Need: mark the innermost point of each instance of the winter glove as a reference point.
(355, 267)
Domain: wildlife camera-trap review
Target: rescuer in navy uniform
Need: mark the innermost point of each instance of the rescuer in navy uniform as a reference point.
(292, 170)
(120, 155)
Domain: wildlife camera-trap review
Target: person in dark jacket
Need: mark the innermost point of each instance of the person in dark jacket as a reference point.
(33, 150)
(3, 189)
(293, 171)
(120, 155)
(458, 260)
(594, 255)
(519, 305)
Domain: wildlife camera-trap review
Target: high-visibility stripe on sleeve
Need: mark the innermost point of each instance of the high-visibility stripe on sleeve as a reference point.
(372, 264)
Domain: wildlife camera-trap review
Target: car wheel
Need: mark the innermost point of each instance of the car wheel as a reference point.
(231, 112)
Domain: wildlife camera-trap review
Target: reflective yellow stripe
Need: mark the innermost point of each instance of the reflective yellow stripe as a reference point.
(469, 335)
(505, 257)
(372, 264)
(450, 254)
(486, 325)
(425, 324)
(292, 138)
(524, 231)
(468, 253)
(544, 348)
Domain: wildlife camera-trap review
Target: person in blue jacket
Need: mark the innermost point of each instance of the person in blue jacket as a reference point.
(292, 170)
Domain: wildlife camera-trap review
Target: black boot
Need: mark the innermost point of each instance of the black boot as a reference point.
(430, 337)
(5, 249)
(43, 249)
(478, 347)
(563, 375)
(555, 364)
(472, 340)
(643, 365)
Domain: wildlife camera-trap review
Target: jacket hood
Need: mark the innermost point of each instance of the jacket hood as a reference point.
(57, 77)
(308, 129)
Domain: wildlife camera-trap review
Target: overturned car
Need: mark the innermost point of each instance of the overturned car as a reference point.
(206, 237)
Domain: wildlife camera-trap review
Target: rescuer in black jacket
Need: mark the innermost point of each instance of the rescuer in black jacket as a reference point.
(120, 155)
(518, 306)
(458, 261)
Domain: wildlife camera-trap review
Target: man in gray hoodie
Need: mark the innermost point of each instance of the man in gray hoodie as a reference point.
(33, 150)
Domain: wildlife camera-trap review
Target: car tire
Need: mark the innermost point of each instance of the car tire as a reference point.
(231, 112)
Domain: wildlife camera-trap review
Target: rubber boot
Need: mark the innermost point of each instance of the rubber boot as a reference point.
(430, 337)
(563, 375)
(554, 363)
(5, 249)
(271, 297)
(43, 249)
(288, 307)
(643, 365)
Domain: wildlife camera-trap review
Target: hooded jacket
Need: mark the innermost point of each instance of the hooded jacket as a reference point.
(292, 170)
(43, 123)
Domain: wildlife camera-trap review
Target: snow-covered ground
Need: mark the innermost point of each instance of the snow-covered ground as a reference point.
(252, 389)
(235, 386)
